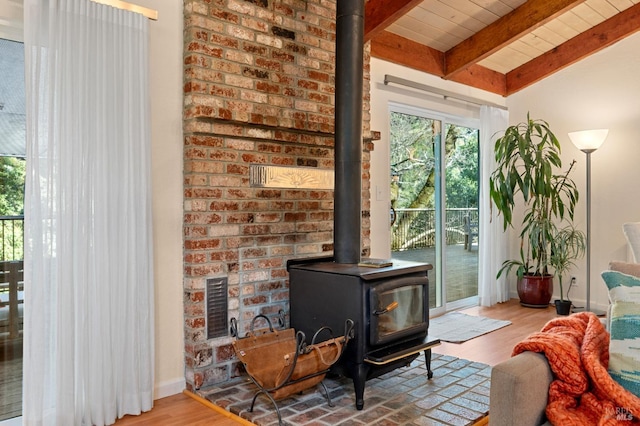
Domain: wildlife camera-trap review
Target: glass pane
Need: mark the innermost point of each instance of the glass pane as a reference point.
(413, 143)
(399, 309)
(461, 189)
(12, 178)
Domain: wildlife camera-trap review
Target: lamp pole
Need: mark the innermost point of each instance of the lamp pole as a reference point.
(588, 152)
(588, 141)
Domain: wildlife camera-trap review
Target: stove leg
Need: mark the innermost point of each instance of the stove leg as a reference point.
(427, 358)
(359, 379)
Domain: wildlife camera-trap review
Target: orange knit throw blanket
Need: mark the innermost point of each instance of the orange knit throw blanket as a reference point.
(582, 392)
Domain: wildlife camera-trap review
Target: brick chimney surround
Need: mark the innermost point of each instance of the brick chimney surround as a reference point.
(258, 90)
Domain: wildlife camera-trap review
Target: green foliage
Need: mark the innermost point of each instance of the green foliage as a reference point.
(462, 168)
(413, 142)
(412, 158)
(528, 157)
(569, 244)
(413, 167)
(12, 178)
(12, 175)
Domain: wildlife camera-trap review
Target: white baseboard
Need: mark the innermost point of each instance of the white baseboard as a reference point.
(579, 302)
(169, 388)
(16, 421)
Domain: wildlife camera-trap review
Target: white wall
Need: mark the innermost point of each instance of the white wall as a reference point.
(165, 47)
(601, 91)
(381, 96)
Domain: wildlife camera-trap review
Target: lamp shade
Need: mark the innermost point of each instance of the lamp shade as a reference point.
(588, 140)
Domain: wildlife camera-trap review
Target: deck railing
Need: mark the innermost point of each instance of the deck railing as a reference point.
(11, 237)
(11, 297)
(415, 228)
(412, 228)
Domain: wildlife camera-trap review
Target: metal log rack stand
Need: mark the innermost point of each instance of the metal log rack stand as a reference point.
(281, 363)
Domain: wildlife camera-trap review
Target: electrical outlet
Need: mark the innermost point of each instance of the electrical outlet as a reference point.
(574, 281)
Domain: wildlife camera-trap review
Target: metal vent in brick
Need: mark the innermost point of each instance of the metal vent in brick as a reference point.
(217, 307)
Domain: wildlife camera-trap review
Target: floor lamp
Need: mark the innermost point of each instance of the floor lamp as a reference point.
(588, 141)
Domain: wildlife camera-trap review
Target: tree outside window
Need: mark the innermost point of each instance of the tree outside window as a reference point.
(12, 179)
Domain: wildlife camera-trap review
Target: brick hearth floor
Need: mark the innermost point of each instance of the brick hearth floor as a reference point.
(458, 394)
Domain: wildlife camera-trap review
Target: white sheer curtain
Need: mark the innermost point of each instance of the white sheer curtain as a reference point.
(88, 349)
(492, 238)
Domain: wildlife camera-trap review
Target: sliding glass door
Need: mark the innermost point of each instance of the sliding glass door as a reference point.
(434, 200)
(12, 179)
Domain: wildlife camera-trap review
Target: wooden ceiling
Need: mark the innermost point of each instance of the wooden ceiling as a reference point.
(501, 46)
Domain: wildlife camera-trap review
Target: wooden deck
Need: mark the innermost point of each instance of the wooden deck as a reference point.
(10, 378)
(461, 265)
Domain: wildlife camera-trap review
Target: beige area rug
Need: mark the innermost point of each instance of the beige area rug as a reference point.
(456, 327)
(457, 395)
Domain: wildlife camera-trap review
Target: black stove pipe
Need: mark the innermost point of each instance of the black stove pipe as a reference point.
(348, 131)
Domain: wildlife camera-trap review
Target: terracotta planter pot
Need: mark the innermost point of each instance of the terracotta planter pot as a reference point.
(535, 290)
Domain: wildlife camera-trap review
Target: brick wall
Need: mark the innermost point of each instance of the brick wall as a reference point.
(258, 89)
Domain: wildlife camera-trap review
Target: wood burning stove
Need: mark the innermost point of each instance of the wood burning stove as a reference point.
(389, 306)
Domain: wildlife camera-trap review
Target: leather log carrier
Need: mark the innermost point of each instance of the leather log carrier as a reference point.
(280, 363)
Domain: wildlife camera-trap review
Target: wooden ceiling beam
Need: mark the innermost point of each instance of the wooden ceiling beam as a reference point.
(587, 43)
(482, 78)
(399, 50)
(505, 30)
(379, 14)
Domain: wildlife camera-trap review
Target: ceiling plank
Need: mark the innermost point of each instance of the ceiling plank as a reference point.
(399, 50)
(587, 43)
(500, 33)
(379, 14)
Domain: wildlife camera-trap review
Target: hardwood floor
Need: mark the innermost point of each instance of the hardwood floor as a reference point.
(491, 349)
(496, 347)
(182, 410)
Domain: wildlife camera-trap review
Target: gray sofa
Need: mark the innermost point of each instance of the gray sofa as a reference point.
(519, 386)
(519, 389)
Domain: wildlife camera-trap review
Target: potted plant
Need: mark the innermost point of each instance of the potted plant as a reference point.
(568, 245)
(529, 171)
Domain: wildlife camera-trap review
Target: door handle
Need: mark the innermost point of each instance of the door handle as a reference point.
(390, 307)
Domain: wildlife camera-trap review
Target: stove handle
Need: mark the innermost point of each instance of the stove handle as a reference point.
(390, 307)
